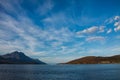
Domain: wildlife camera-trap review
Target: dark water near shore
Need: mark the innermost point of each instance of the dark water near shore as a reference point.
(60, 72)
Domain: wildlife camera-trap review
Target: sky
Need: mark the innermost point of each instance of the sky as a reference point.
(57, 31)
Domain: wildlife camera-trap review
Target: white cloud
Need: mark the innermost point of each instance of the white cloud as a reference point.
(88, 30)
(116, 17)
(12, 6)
(45, 7)
(101, 29)
(117, 26)
(95, 38)
(63, 34)
(93, 29)
(116, 21)
(112, 19)
(56, 20)
(108, 21)
(109, 31)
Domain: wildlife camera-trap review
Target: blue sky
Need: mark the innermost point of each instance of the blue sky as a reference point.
(57, 31)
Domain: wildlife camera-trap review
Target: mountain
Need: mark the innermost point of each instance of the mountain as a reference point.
(18, 58)
(96, 60)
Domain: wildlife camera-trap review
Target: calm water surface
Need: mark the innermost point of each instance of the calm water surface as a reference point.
(60, 72)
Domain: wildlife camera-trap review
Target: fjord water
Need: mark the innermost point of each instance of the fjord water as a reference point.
(60, 72)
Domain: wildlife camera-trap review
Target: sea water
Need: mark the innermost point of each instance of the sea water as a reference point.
(60, 72)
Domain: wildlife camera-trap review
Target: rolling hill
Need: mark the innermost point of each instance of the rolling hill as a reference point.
(96, 60)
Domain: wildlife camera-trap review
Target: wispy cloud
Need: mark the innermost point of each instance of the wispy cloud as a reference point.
(117, 28)
(19, 34)
(109, 31)
(24, 35)
(95, 38)
(89, 30)
(46, 7)
(115, 21)
(92, 30)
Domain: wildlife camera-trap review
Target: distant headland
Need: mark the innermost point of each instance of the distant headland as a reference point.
(96, 60)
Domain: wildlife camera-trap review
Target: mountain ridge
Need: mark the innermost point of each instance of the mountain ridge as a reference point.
(18, 58)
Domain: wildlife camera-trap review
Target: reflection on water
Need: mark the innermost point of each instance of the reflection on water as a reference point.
(60, 72)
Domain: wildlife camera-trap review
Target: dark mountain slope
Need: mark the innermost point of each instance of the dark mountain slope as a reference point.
(18, 58)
